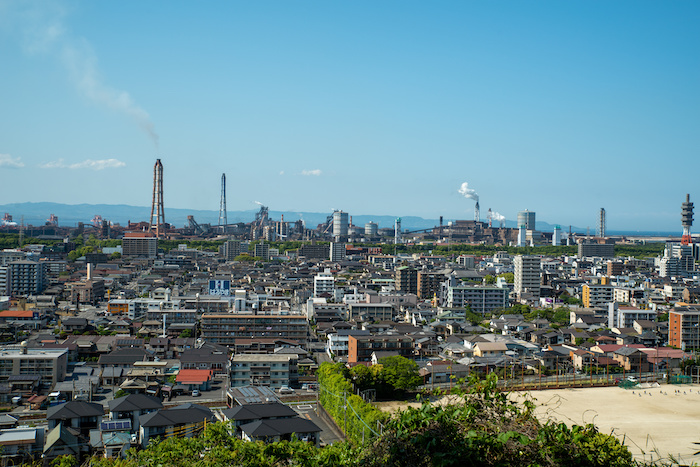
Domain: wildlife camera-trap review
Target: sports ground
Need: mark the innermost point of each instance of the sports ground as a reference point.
(655, 422)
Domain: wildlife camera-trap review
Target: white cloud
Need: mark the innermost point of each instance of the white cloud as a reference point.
(315, 172)
(86, 164)
(8, 161)
(281, 172)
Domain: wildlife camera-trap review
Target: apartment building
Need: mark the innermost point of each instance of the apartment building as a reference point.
(429, 284)
(481, 299)
(225, 328)
(596, 295)
(26, 277)
(527, 276)
(50, 364)
(135, 244)
(274, 370)
(406, 279)
(625, 316)
(684, 327)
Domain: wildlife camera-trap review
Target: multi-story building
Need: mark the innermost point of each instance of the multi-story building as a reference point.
(429, 284)
(337, 251)
(527, 276)
(138, 244)
(596, 295)
(625, 316)
(50, 364)
(480, 298)
(629, 295)
(372, 311)
(230, 249)
(225, 328)
(324, 283)
(27, 277)
(4, 280)
(406, 279)
(274, 370)
(604, 250)
(684, 327)
(615, 268)
(262, 250)
(361, 348)
(314, 251)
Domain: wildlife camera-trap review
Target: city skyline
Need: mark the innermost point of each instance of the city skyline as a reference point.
(383, 109)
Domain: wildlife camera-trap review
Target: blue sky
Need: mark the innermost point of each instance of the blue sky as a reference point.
(371, 107)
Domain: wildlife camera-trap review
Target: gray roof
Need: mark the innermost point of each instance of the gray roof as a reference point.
(259, 411)
(280, 426)
(74, 409)
(134, 402)
(180, 415)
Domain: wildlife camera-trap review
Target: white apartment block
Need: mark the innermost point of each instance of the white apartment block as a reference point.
(324, 282)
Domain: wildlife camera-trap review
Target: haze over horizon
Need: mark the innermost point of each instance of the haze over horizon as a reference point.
(373, 108)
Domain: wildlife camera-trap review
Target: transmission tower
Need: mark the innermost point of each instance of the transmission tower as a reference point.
(157, 204)
(222, 205)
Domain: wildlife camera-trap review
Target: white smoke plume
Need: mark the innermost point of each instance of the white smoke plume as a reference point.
(497, 216)
(467, 192)
(258, 203)
(41, 30)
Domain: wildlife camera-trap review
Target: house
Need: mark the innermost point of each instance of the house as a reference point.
(248, 413)
(62, 441)
(205, 359)
(490, 349)
(195, 379)
(131, 407)
(631, 359)
(183, 421)
(18, 444)
(282, 429)
(78, 415)
(436, 372)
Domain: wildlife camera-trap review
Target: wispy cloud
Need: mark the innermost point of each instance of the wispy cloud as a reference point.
(314, 172)
(90, 164)
(281, 172)
(10, 162)
(40, 27)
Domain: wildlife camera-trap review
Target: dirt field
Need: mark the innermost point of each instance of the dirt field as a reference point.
(654, 423)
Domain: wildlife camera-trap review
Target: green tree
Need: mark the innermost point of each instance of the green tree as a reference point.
(508, 276)
(489, 279)
(400, 373)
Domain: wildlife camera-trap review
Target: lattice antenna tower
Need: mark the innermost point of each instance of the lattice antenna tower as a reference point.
(157, 211)
(222, 204)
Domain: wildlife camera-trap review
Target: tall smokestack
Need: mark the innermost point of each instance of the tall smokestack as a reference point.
(477, 215)
(157, 203)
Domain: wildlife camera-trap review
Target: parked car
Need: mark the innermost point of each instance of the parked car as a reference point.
(196, 393)
(286, 390)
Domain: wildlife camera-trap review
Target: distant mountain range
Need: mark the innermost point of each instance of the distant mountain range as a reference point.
(70, 214)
